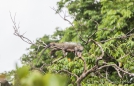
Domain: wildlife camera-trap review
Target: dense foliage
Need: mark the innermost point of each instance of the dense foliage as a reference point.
(105, 29)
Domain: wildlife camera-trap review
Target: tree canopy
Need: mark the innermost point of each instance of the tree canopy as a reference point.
(104, 28)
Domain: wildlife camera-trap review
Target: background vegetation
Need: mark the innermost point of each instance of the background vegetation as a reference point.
(104, 28)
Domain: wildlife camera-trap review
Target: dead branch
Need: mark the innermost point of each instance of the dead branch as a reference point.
(17, 33)
(25, 39)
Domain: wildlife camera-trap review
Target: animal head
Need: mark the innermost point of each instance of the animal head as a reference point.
(79, 50)
(52, 44)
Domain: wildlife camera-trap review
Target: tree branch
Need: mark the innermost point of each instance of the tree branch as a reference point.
(117, 68)
(102, 52)
(25, 39)
(68, 73)
(17, 33)
(119, 37)
(58, 59)
(85, 66)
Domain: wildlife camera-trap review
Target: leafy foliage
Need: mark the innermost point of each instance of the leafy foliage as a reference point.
(35, 78)
(105, 29)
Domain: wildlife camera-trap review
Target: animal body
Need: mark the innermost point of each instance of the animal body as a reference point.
(66, 47)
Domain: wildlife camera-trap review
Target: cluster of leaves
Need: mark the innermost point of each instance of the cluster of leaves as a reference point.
(24, 77)
(104, 26)
(112, 22)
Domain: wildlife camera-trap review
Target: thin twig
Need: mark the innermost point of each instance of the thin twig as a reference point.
(118, 72)
(85, 66)
(106, 78)
(17, 33)
(58, 59)
(68, 73)
(115, 66)
(129, 31)
(102, 51)
(119, 37)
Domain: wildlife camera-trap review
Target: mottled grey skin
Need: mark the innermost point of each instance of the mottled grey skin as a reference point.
(66, 47)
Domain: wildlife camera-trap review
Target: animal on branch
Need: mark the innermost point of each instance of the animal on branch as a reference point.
(66, 47)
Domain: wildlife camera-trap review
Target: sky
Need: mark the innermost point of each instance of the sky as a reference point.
(36, 18)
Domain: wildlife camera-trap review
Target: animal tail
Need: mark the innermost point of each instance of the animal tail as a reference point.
(42, 53)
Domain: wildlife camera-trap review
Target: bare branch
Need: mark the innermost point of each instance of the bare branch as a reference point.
(25, 39)
(17, 33)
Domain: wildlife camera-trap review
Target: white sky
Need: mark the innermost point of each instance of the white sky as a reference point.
(36, 19)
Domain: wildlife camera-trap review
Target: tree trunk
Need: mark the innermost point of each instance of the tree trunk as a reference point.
(78, 82)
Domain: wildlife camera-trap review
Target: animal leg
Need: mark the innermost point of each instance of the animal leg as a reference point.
(52, 53)
(64, 53)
